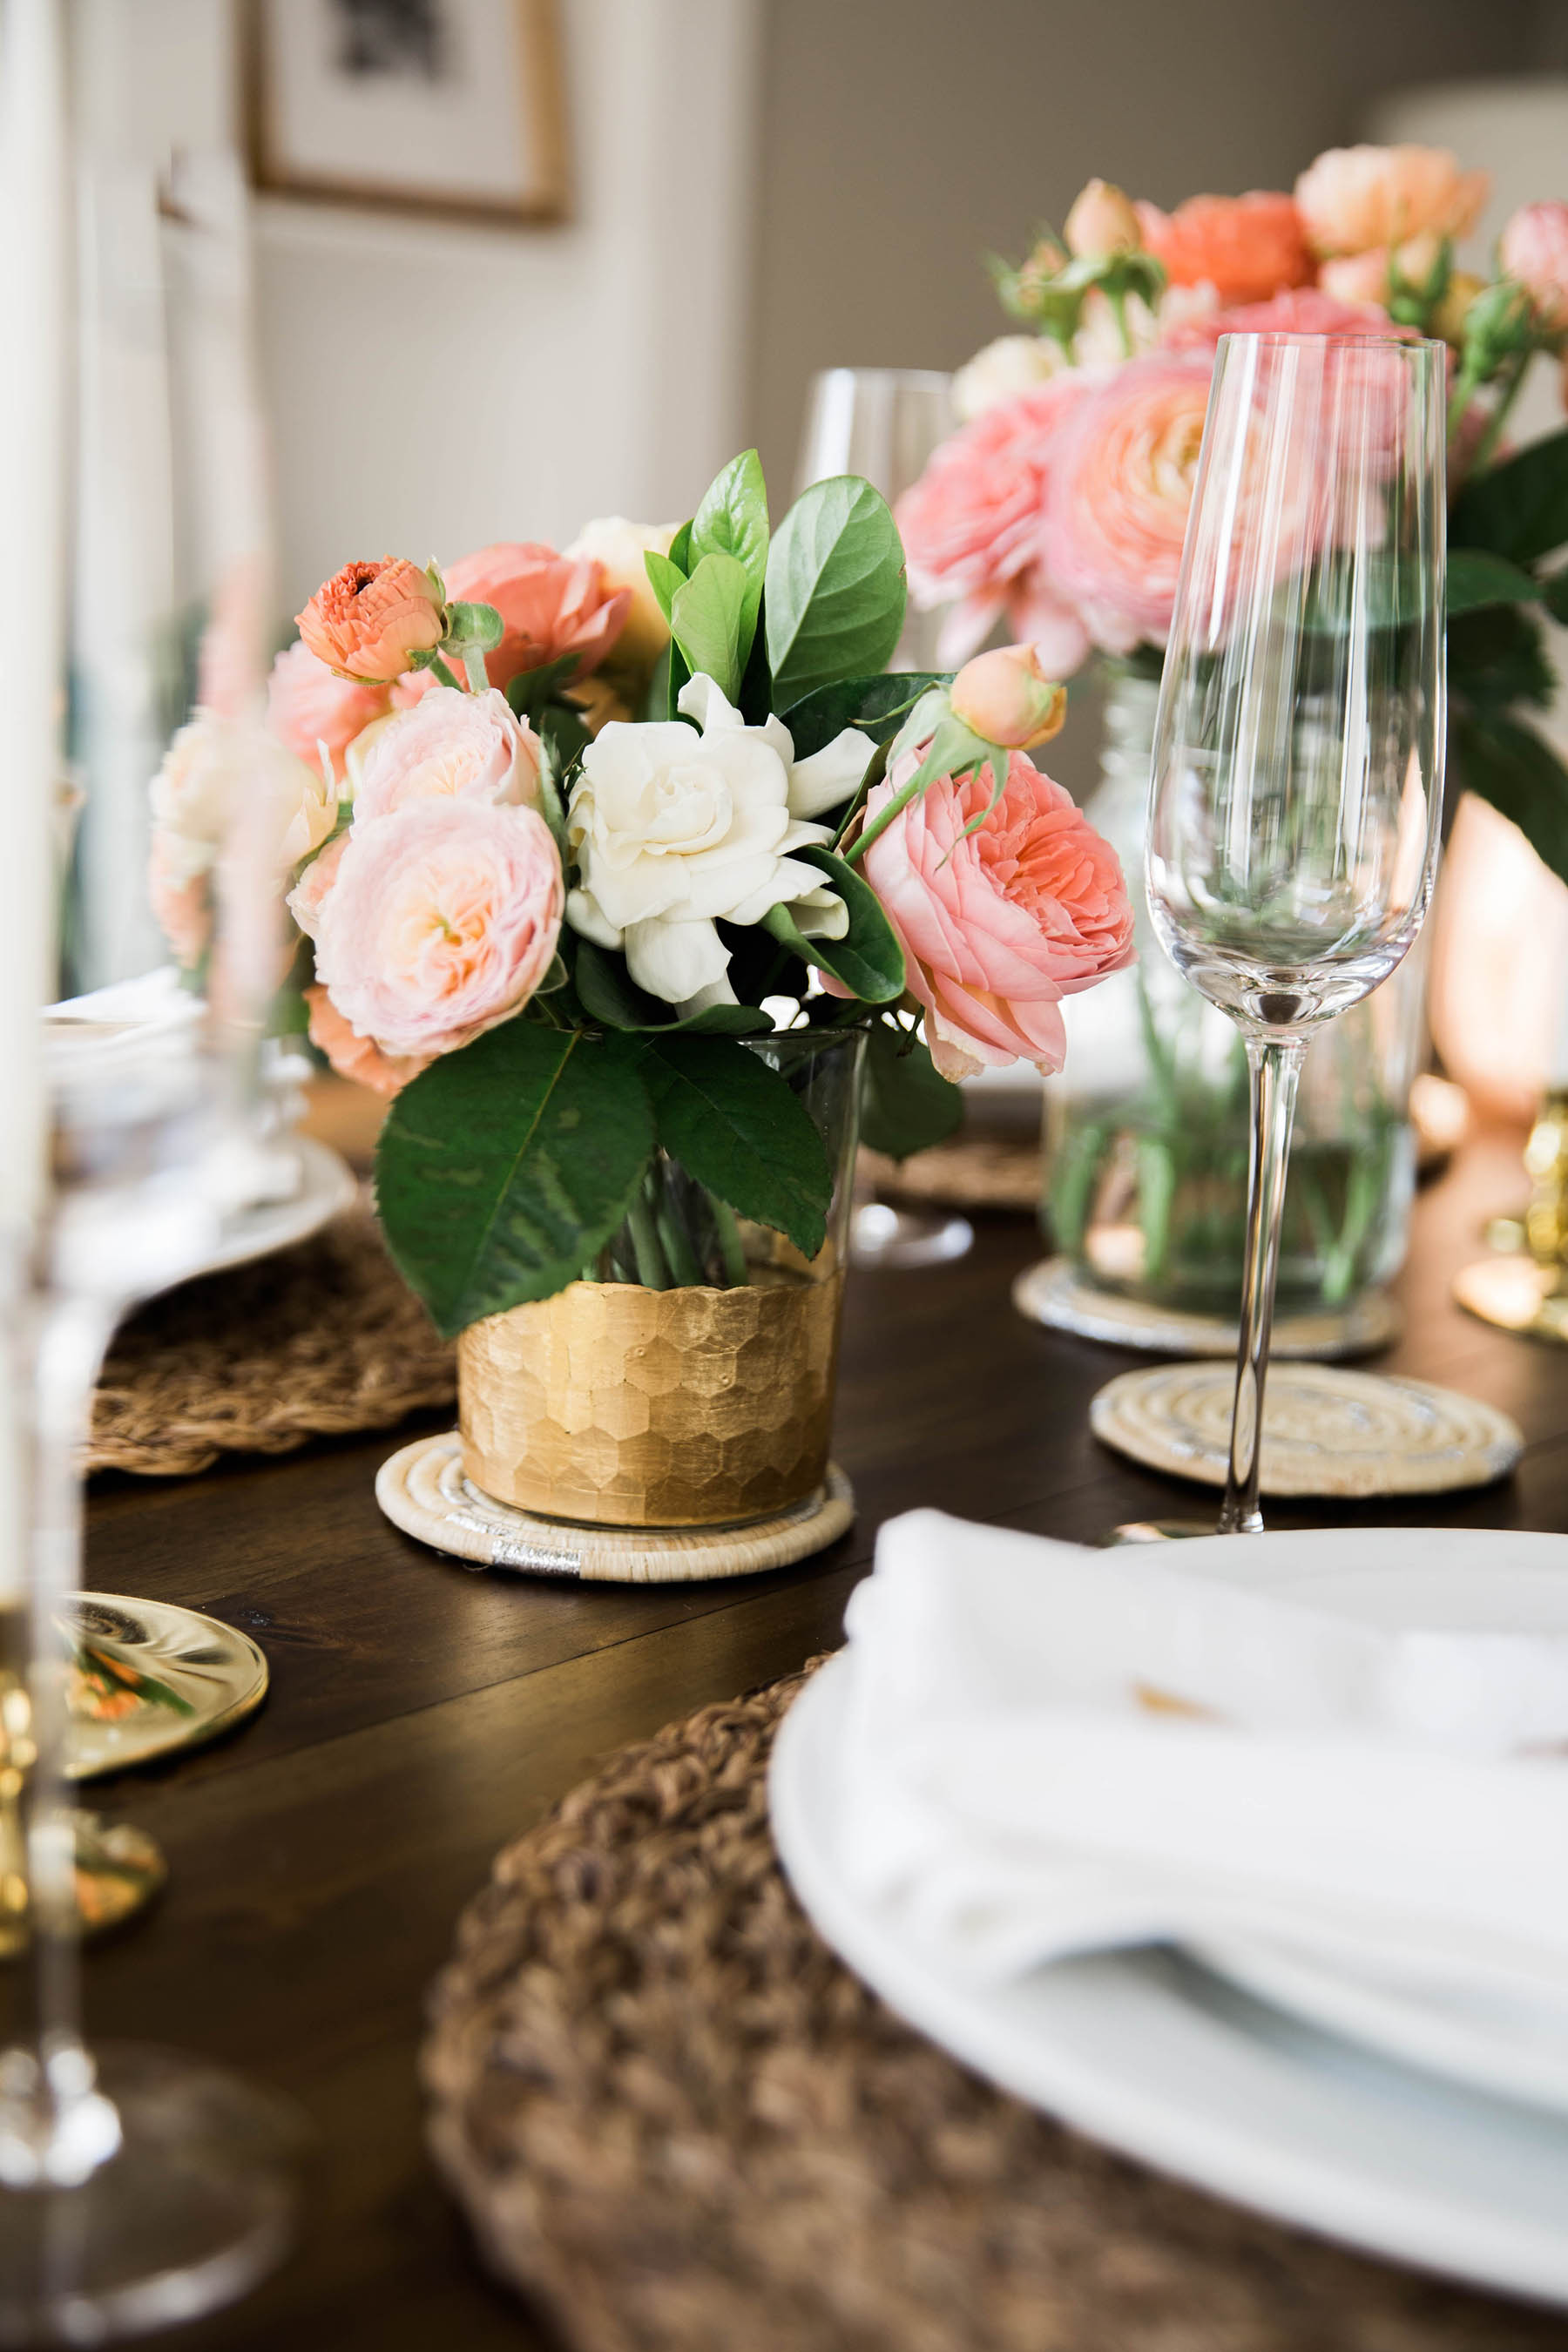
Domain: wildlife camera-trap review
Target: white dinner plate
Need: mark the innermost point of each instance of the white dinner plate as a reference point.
(327, 1186)
(1152, 2054)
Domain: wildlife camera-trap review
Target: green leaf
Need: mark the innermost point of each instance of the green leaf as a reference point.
(665, 578)
(474, 624)
(1519, 508)
(706, 618)
(609, 994)
(1499, 656)
(904, 1104)
(834, 588)
(1476, 579)
(505, 1167)
(1522, 777)
(528, 690)
(732, 519)
(739, 1129)
(878, 706)
(680, 550)
(868, 958)
(1555, 595)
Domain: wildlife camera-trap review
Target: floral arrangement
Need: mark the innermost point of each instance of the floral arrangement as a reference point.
(1060, 506)
(566, 831)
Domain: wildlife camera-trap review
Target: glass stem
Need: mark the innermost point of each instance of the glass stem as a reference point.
(55, 2128)
(1275, 1066)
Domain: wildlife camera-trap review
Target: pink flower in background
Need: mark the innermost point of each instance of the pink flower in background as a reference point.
(452, 746)
(1304, 312)
(1246, 247)
(181, 899)
(369, 619)
(356, 1057)
(550, 605)
(1534, 248)
(1355, 198)
(308, 705)
(998, 928)
(1122, 479)
(971, 524)
(440, 921)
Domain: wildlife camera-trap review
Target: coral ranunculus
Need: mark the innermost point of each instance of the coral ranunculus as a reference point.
(1355, 198)
(551, 605)
(1246, 247)
(1534, 248)
(308, 705)
(452, 746)
(369, 620)
(1121, 481)
(998, 927)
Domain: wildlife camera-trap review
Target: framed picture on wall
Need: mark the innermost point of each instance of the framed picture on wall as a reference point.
(445, 107)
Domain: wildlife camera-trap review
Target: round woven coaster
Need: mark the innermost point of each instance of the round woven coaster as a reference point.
(675, 2119)
(1326, 1432)
(423, 1490)
(1054, 1293)
(320, 1340)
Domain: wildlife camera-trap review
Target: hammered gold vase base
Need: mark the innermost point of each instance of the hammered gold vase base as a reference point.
(424, 1489)
(149, 1678)
(119, 1870)
(1340, 1435)
(1517, 1294)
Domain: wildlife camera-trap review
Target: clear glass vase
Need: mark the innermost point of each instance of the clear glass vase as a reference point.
(1146, 1128)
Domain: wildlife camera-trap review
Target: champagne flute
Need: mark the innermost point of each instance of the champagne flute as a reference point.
(886, 424)
(1296, 793)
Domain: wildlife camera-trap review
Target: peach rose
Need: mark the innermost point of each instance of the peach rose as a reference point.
(618, 547)
(1007, 697)
(356, 1057)
(308, 706)
(1304, 312)
(450, 745)
(309, 894)
(369, 619)
(550, 605)
(1121, 480)
(1534, 248)
(1354, 198)
(971, 525)
(998, 927)
(1246, 247)
(440, 922)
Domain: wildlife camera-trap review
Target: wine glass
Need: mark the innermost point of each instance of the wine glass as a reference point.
(1297, 787)
(138, 2186)
(884, 424)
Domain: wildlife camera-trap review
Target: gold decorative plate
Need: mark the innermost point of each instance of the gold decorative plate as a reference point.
(423, 1490)
(1329, 1433)
(1054, 1294)
(151, 1678)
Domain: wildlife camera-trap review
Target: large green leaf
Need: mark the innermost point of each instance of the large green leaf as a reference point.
(1519, 508)
(878, 706)
(706, 620)
(1499, 656)
(738, 1128)
(609, 995)
(868, 958)
(904, 1104)
(836, 588)
(732, 519)
(1555, 595)
(665, 578)
(504, 1168)
(1476, 579)
(1522, 777)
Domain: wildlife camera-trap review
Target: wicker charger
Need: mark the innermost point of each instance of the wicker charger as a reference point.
(678, 2121)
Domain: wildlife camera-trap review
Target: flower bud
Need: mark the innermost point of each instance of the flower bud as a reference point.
(369, 620)
(1006, 698)
(1102, 221)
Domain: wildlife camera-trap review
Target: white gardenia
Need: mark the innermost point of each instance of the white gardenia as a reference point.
(674, 830)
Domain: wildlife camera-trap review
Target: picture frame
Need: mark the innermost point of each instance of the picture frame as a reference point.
(454, 109)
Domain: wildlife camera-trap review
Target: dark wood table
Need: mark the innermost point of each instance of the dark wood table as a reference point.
(421, 1715)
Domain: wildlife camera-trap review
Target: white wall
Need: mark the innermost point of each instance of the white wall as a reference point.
(433, 386)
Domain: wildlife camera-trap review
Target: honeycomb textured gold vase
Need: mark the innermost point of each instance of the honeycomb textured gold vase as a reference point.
(627, 1407)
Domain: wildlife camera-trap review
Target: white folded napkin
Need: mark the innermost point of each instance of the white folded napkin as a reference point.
(1053, 1750)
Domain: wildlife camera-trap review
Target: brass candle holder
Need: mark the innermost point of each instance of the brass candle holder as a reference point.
(1525, 1289)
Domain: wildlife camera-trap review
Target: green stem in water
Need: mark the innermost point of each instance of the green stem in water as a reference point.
(652, 1272)
(679, 1255)
(729, 1234)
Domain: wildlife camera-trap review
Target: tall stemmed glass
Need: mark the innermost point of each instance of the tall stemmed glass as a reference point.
(1297, 787)
(137, 2185)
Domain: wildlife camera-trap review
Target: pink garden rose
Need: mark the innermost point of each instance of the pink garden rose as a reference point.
(356, 1057)
(1353, 199)
(370, 618)
(1246, 247)
(308, 705)
(1121, 482)
(1534, 248)
(440, 921)
(1304, 311)
(550, 605)
(454, 746)
(998, 928)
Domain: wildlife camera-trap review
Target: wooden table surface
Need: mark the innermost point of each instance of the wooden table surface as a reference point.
(421, 1715)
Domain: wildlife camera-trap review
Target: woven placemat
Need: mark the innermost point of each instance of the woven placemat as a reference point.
(970, 1172)
(316, 1342)
(675, 2120)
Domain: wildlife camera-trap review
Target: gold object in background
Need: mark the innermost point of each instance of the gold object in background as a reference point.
(621, 1406)
(149, 1678)
(1527, 1291)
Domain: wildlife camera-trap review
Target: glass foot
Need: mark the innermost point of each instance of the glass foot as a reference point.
(119, 1870)
(883, 1236)
(196, 2207)
(1140, 1531)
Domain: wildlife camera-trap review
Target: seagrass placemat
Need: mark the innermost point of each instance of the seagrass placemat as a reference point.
(318, 1341)
(680, 2124)
(977, 1172)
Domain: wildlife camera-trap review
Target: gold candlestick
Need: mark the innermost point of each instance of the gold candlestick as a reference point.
(1526, 1290)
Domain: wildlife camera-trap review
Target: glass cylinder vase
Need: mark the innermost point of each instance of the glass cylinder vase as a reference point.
(1147, 1129)
(691, 1383)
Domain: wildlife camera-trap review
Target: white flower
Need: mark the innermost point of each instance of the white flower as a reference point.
(1003, 370)
(223, 776)
(674, 830)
